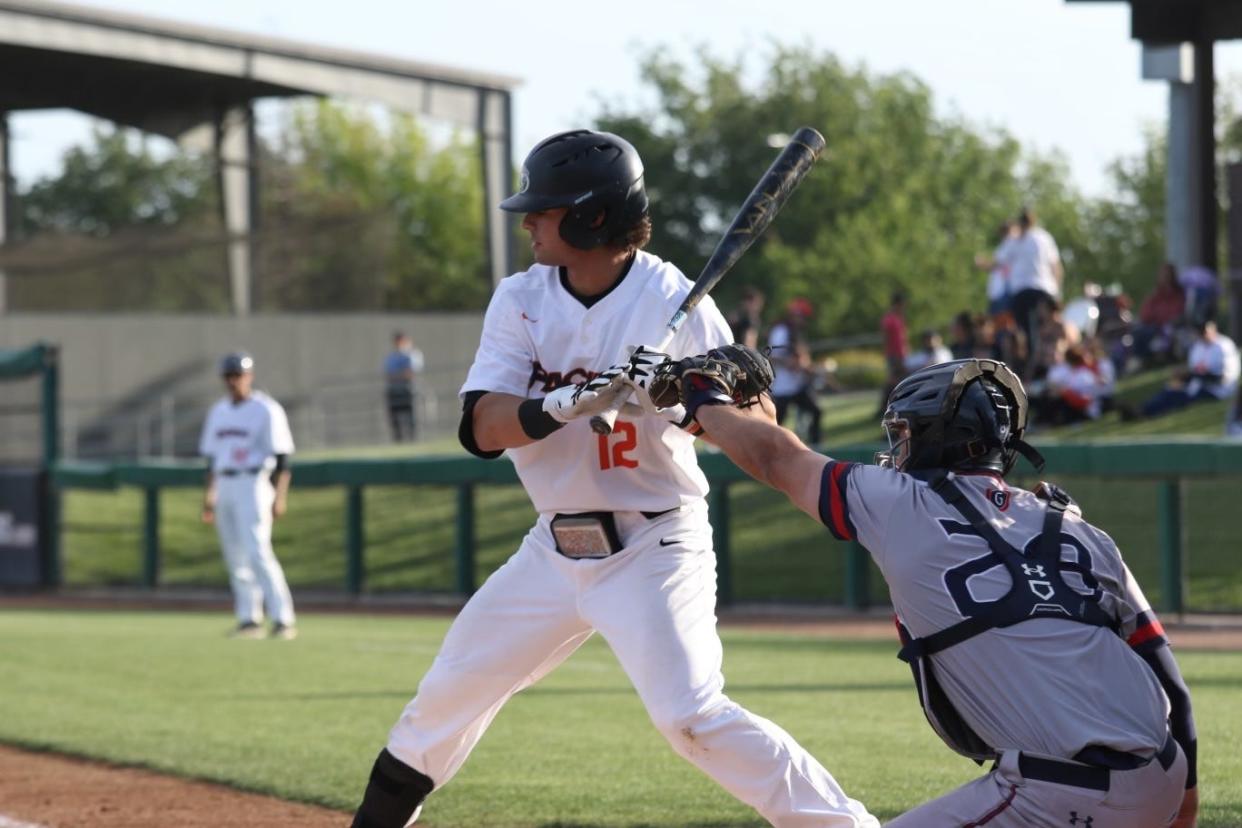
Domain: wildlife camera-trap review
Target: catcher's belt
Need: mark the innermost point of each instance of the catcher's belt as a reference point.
(591, 534)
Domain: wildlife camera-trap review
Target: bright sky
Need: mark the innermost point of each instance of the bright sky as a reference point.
(1056, 75)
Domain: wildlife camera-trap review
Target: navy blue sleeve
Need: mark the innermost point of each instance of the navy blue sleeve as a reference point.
(1181, 717)
(834, 510)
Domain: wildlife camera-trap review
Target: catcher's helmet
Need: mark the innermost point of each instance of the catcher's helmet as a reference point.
(968, 414)
(236, 363)
(591, 173)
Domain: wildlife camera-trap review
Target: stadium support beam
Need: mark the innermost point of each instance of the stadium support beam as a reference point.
(1190, 181)
(238, 177)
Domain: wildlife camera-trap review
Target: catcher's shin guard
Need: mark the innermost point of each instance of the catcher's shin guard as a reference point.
(394, 794)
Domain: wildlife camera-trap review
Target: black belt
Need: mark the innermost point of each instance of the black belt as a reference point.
(236, 472)
(1098, 762)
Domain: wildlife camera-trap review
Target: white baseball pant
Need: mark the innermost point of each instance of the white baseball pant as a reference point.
(655, 606)
(244, 525)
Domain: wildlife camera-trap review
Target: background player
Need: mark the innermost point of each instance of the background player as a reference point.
(247, 440)
(1060, 670)
(622, 544)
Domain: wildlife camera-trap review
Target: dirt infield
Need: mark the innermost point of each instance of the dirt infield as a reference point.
(45, 791)
(39, 790)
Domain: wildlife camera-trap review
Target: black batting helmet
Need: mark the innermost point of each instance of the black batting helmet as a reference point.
(968, 414)
(591, 173)
(238, 362)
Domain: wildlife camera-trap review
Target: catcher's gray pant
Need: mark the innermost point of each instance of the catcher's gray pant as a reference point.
(655, 604)
(1147, 797)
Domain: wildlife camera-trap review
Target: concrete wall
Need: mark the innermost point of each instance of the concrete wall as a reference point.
(118, 369)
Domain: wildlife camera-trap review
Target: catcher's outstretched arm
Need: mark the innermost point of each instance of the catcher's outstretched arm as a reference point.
(767, 452)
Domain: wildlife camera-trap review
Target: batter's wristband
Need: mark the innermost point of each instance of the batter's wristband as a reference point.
(536, 422)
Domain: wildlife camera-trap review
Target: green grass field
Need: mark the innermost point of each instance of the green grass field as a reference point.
(303, 720)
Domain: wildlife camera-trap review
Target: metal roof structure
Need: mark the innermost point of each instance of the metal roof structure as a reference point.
(186, 81)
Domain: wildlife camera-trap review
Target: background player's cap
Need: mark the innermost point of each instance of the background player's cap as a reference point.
(235, 363)
(591, 173)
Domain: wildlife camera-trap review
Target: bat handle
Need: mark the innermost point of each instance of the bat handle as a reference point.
(603, 422)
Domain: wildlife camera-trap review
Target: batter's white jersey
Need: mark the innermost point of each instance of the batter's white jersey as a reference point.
(538, 337)
(246, 435)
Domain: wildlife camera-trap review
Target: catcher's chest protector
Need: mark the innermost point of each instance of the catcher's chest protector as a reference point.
(1038, 591)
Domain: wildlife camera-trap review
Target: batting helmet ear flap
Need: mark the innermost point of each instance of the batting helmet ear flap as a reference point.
(582, 227)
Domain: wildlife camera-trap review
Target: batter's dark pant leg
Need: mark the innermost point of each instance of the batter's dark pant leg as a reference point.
(394, 792)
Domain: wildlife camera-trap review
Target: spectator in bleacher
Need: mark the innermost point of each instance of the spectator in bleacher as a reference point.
(1161, 311)
(931, 352)
(1072, 391)
(1035, 276)
(1202, 292)
(1055, 334)
(401, 369)
(1008, 343)
(963, 336)
(1233, 425)
(747, 319)
(1211, 373)
(896, 346)
(791, 363)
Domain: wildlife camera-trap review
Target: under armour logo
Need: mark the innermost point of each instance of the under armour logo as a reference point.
(1033, 570)
(1076, 820)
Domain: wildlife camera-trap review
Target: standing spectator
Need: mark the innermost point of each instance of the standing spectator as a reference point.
(1211, 373)
(1035, 278)
(932, 352)
(401, 370)
(247, 441)
(791, 360)
(748, 318)
(1163, 308)
(896, 348)
(1000, 293)
(1055, 334)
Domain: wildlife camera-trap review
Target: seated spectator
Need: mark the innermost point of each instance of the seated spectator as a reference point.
(1008, 341)
(1055, 334)
(1072, 391)
(964, 336)
(1099, 361)
(1233, 426)
(1211, 373)
(1161, 311)
(931, 352)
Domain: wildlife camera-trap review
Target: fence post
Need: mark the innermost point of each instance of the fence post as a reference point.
(151, 538)
(857, 581)
(355, 540)
(718, 509)
(465, 539)
(1171, 548)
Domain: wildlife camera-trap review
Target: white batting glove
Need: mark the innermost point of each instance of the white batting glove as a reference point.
(639, 372)
(588, 399)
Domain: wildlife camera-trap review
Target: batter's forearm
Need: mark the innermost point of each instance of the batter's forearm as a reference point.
(497, 424)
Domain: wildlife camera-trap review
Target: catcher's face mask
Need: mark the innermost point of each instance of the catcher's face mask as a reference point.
(897, 430)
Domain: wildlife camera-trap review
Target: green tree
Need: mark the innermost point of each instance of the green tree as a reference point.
(365, 214)
(903, 197)
(115, 182)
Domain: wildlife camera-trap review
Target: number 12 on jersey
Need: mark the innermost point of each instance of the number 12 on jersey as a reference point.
(613, 447)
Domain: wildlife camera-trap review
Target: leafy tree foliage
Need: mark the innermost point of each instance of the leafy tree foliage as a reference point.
(903, 197)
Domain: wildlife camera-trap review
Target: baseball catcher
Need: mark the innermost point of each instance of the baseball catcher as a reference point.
(1030, 642)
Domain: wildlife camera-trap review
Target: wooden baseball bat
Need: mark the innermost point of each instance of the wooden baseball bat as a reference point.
(752, 218)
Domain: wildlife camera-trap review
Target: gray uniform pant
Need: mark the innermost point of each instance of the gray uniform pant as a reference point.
(1146, 797)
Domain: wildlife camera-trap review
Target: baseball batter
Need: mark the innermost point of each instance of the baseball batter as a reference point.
(247, 441)
(1030, 641)
(622, 545)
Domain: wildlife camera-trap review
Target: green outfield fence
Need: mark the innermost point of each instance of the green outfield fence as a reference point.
(441, 524)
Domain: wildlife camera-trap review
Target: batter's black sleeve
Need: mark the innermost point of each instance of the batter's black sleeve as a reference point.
(1159, 657)
(465, 429)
